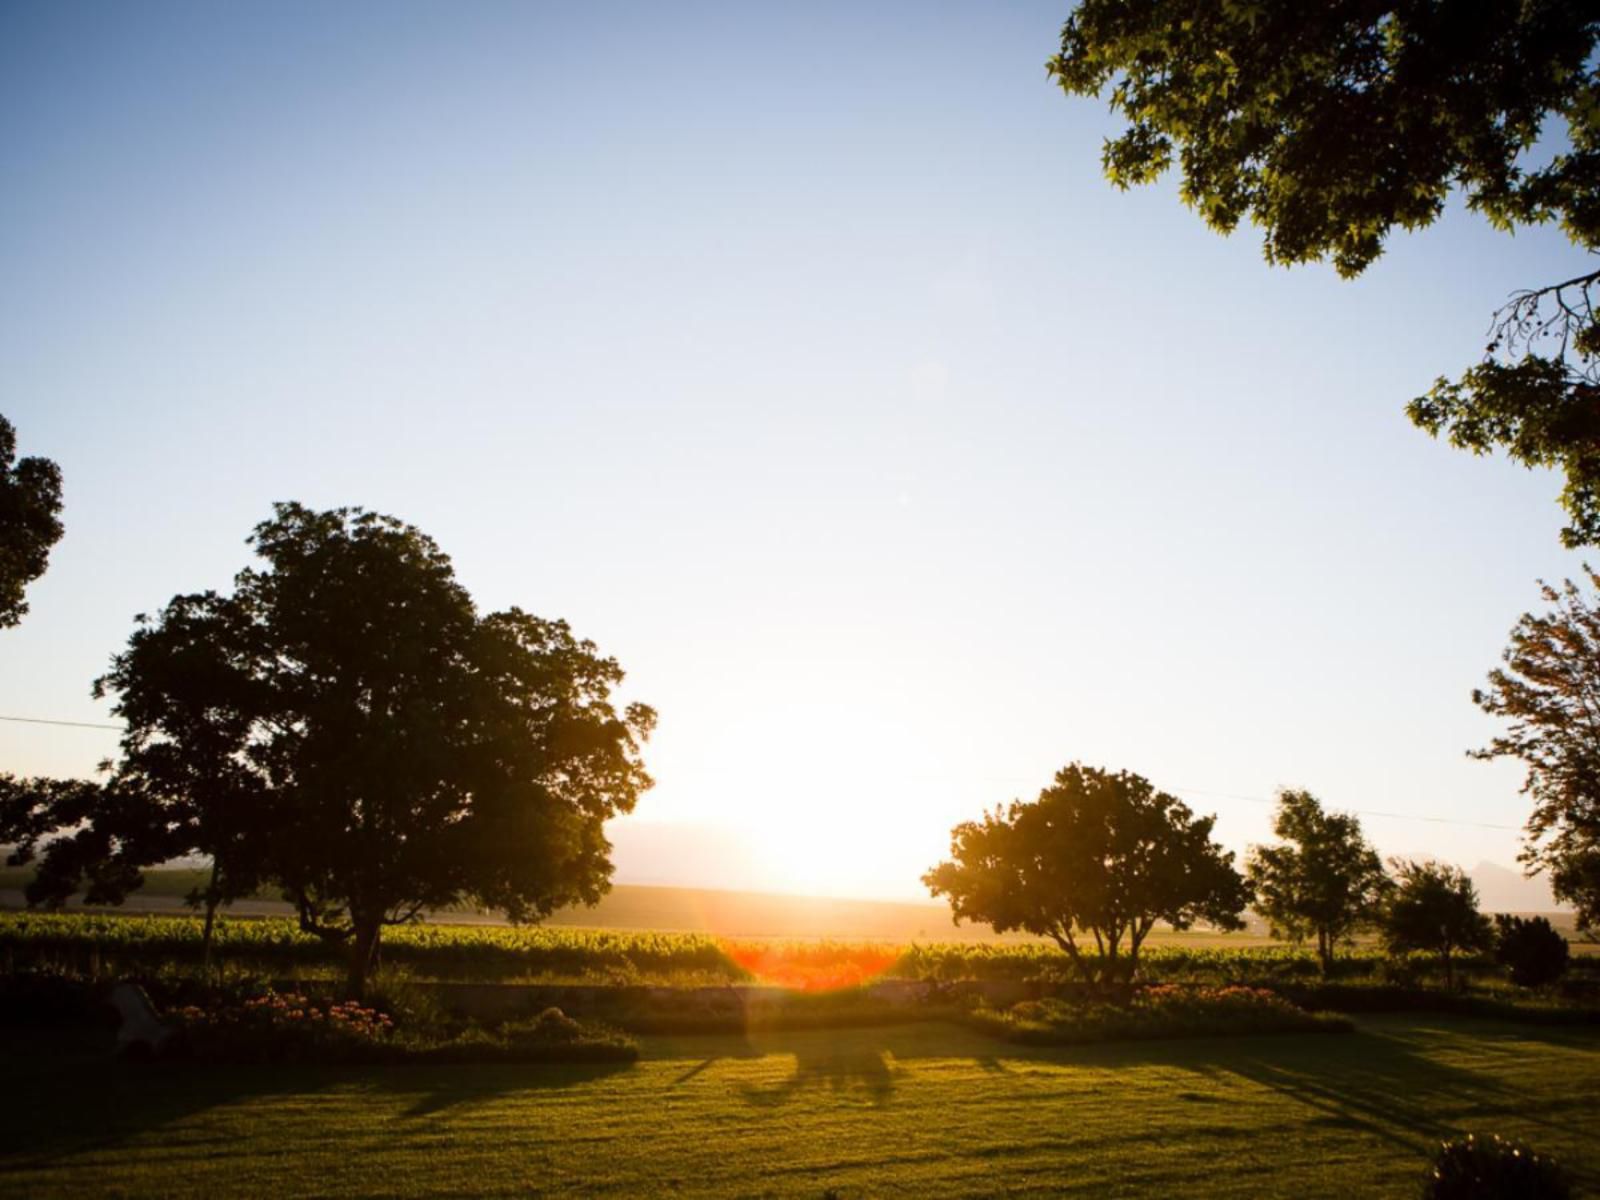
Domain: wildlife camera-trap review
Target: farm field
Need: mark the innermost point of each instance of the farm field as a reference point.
(658, 909)
(721, 913)
(97, 942)
(914, 1110)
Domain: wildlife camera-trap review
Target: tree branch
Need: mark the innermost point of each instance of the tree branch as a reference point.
(1521, 321)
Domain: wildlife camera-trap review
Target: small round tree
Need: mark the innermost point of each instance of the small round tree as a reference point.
(1435, 908)
(1324, 880)
(1097, 853)
(1532, 948)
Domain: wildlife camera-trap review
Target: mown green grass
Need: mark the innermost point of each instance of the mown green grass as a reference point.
(913, 1110)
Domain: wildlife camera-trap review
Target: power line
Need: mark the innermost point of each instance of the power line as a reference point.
(72, 724)
(1359, 812)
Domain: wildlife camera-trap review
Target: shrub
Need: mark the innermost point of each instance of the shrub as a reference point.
(1492, 1168)
(552, 1025)
(1154, 1012)
(1400, 971)
(290, 1027)
(729, 1011)
(550, 1037)
(275, 1027)
(412, 1007)
(1532, 948)
(555, 1037)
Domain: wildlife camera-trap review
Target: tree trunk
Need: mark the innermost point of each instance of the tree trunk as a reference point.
(1325, 952)
(205, 936)
(211, 920)
(1449, 971)
(1137, 932)
(363, 951)
(1071, 948)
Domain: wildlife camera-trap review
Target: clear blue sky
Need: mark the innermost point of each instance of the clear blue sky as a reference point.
(800, 356)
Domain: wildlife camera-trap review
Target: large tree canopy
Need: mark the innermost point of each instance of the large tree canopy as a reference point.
(1328, 125)
(1097, 852)
(30, 508)
(1549, 693)
(347, 726)
(1322, 880)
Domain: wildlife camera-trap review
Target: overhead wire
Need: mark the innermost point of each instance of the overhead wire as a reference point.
(72, 724)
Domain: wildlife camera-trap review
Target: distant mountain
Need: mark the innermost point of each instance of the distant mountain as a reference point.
(1503, 889)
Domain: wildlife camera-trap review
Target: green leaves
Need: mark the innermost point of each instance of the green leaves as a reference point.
(1541, 413)
(1548, 692)
(30, 508)
(1435, 908)
(1323, 880)
(1328, 126)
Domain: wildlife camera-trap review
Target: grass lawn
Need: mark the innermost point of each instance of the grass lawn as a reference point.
(916, 1110)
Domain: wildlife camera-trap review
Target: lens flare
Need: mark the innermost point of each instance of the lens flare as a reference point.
(812, 966)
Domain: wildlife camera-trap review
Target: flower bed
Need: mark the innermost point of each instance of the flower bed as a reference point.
(290, 1027)
(1166, 1011)
(276, 1027)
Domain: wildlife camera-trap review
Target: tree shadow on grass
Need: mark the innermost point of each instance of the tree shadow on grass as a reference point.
(846, 1071)
(1391, 1090)
(1392, 1081)
(70, 1096)
(440, 1087)
(1394, 1090)
(851, 1062)
(1388, 1081)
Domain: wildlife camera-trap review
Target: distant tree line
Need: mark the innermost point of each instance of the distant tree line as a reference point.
(1104, 857)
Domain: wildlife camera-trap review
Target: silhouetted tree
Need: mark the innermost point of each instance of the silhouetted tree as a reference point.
(30, 507)
(1098, 853)
(1325, 882)
(91, 847)
(186, 783)
(1549, 691)
(1435, 908)
(1531, 948)
(1329, 125)
(191, 708)
(347, 726)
